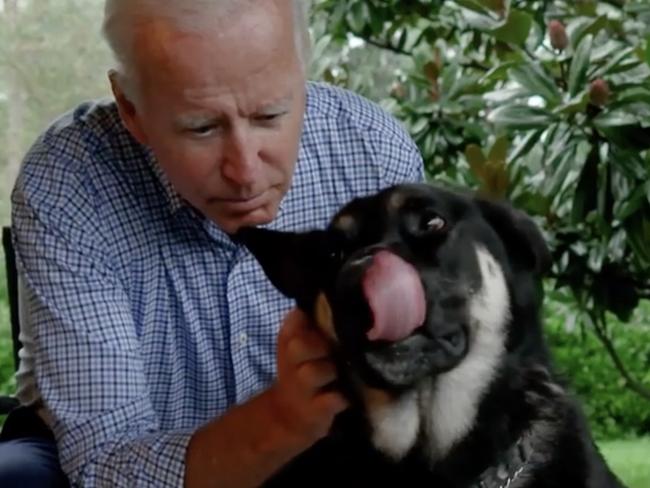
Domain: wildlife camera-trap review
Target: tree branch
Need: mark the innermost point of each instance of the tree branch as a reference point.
(630, 383)
(387, 46)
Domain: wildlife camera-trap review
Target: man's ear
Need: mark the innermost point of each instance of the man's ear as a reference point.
(524, 242)
(293, 262)
(127, 109)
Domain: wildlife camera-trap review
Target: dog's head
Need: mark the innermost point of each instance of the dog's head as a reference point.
(403, 281)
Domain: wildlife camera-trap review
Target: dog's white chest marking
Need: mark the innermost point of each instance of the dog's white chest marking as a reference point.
(449, 403)
(445, 408)
(395, 421)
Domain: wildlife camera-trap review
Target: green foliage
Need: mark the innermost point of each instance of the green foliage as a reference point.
(614, 412)
(562, 129)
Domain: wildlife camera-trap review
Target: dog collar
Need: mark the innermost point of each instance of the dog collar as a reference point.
(515, 461)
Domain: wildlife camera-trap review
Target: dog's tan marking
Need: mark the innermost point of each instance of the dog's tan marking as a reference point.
(323, 317)
(396, 201)
(346, 224)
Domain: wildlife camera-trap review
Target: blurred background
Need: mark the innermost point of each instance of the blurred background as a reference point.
(546, 103)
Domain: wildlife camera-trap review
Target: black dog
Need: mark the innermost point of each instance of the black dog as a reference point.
(432, 298)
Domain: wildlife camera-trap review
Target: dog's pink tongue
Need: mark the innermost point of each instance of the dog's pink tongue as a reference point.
(395, 295)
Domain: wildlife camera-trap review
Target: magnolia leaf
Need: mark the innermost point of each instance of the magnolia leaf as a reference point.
(494, 5)
(525, 144)
(579, 65)
(498, 73)
(533, 77)
(614, 118)
(473, 5)
(516, 29)
(357, 16)
(592, 27)
(521, 117)
(577, 104)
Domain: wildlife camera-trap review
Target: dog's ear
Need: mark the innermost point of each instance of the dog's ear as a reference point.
(524, 241)
(292, 261)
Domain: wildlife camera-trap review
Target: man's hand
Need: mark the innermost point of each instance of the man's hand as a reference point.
(250, 442)
(302, 401)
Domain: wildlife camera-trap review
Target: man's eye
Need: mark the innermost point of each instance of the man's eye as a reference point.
(269, 117)
(202, 131)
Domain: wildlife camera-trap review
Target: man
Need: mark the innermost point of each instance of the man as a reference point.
(151, 336)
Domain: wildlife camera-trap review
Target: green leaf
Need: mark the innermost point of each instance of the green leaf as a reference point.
(647, 50)
(583, 29)
(357, 16)
(614, 63)
(632, 136)
(614, 118)
(631, 96)
(449, 80)
(526, 144)
(402, 39)
(576, 105)
(473, 5)
(533, 77)
(579, 65)
(516, 29)
(521, 117)
(632, 203)
(494, 5)
(562, 164)
(498, 73)
(585, 198)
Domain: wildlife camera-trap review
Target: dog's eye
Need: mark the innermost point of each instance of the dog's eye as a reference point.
(434, 223)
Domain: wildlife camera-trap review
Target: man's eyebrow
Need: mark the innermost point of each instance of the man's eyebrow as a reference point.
(193, 120)
(277, 105)
(190, 120)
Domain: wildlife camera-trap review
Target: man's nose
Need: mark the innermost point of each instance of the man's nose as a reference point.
(240, 163)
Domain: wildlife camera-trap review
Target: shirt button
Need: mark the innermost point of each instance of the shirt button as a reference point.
(243, 339)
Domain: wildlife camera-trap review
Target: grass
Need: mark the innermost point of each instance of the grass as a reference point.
(630, 460)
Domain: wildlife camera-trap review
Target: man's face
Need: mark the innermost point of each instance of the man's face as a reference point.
(223, 112)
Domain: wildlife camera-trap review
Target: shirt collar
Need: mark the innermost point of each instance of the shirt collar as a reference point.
(174, 200)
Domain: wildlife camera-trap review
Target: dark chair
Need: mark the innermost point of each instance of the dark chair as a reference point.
(7, 403)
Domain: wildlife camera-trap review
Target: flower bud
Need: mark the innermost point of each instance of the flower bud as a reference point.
(599, 92)
(557, 34)
(398, 91)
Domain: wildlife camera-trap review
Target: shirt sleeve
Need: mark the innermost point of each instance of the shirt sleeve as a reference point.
(88, 359)
(400, 160)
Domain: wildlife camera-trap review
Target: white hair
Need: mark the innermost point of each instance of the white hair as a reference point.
(121, 17)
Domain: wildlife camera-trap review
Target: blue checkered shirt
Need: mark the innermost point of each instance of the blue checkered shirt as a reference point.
(147, 321)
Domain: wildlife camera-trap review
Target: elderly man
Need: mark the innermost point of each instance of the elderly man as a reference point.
(150, 336)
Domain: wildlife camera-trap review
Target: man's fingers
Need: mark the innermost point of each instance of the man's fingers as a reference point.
(299, 341)
(317, 374)
(330, 403)
(308, 346)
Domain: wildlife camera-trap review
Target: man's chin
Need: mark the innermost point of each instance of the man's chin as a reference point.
(230, 224)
